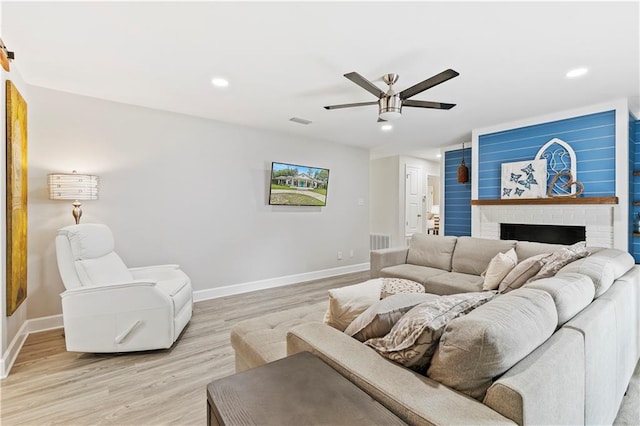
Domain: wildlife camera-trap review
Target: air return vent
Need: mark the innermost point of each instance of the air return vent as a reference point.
(300, 120)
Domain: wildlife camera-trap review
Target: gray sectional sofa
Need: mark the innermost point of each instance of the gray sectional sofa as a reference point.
(560, 350)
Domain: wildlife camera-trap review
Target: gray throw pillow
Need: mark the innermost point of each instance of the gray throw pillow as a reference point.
(522, 272)
(380, 317)
(414, 338)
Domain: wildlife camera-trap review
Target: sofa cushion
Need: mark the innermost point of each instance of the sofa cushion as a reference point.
(391, 286)
(526, 249)
(411, 272)
(431, 250)
(499, 267)
(522, 272)
(472, 255)
(571, 293)
(603, 267)
(260, 340)
(453, 282)
(477, 347)
(346, 303)
(413, 339)
(380, 317)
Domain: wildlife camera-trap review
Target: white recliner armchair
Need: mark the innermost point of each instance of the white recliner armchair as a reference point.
(108, 307)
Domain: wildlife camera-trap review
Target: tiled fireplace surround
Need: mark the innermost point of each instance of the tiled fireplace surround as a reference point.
(598, 219)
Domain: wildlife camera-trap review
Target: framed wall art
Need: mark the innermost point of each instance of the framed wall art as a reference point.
(524, 179)
(16, 169)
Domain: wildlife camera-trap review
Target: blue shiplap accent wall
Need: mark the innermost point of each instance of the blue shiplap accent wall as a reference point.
(591, 136)
(634, 187)
(457, 196)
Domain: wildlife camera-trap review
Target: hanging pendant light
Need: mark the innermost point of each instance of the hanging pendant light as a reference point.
(463, 170)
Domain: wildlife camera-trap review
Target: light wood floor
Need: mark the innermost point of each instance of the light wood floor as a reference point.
(48, 385)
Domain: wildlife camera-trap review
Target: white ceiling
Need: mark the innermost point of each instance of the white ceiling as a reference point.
(286, 59)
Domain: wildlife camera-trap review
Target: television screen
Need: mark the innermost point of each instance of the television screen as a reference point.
(293, 185)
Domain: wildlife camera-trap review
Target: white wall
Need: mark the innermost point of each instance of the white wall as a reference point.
(179, 189)
(387, 194)
(384, 198)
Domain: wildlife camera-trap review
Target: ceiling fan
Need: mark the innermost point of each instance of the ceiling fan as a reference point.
(390, 103)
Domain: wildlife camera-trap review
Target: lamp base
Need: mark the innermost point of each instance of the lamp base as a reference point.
(77, 211)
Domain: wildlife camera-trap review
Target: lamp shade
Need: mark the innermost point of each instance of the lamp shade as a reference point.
(73, 186)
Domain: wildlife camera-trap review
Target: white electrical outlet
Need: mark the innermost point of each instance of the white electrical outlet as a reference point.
(339, 255)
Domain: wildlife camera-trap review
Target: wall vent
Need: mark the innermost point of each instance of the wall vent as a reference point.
(300, 120)
(379, 241)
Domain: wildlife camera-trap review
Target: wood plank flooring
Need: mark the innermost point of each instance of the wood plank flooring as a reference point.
(50, 386)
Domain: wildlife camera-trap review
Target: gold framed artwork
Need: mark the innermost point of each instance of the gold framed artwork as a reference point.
(16, 198)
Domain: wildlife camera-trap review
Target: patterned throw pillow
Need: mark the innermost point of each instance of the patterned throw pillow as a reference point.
(558, 259)
(379, 318)
(391, 286)
(414, 338)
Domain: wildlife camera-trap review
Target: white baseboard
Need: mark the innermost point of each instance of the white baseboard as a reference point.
(213, 293)
(29, 326)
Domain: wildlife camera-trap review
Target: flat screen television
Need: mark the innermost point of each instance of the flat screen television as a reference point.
(294, 185)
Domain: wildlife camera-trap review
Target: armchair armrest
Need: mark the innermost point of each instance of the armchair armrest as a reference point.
(380, 259)
(167, 266)
(113, 298)
(157, 273)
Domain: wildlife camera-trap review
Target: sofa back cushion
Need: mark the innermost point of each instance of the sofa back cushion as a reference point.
(526, 249)
(431, 250)
(603, 267)
(476, 348)
(570, 292)
(472, 255)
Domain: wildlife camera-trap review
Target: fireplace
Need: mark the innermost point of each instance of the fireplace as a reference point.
(597, 220)
(554, 234)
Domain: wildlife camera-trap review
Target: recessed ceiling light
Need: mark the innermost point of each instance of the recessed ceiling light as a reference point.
(577, 72)
(438, 155)
(219, 82)
(386, 127)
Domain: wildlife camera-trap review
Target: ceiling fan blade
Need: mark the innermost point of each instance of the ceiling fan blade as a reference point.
(428, 83)
(365, 84)
(351, 105)
(427, 104)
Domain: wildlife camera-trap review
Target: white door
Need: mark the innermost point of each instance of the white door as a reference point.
(413, 200)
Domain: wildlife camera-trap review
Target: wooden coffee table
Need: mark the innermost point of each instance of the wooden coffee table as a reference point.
(297, 390)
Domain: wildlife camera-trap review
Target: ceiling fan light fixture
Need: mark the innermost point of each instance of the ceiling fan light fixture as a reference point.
(390, 108)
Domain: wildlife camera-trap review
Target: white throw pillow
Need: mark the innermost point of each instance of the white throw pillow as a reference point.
(346, 303)
(499, 267)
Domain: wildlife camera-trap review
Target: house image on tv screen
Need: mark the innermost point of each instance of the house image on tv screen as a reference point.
(298, 185)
